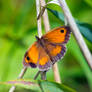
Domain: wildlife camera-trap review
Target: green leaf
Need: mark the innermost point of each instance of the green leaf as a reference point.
(89, 2)
(48, 86)
(85, 29)
(39, 86)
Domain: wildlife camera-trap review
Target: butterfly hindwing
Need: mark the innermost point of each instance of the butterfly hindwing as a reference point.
(48, 56)
(44, 62)
(56, 52)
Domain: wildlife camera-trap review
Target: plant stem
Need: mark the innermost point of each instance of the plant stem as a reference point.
(45, 17)
(39, 20)
(22, 72)
(56, 73)
(20, 76)
(47, 28)
(43, 74)
(76, 32)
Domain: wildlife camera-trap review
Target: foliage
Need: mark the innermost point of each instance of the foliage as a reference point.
(17, 32)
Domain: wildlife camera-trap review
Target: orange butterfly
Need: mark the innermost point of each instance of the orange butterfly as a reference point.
(48, 49)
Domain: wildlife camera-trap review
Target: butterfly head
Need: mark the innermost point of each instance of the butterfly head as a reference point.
(37, 38)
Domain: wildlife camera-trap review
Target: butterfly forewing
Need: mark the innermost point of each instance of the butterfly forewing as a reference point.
(31, 56)
(58, 35)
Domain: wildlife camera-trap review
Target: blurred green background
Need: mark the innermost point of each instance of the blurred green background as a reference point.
(18, 27)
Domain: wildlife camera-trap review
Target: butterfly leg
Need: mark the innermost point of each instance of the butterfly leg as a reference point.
(43, 75)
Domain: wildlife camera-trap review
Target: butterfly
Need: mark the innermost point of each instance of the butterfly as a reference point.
(48, 49)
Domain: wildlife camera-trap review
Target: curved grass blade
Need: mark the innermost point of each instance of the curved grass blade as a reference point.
(48, 86)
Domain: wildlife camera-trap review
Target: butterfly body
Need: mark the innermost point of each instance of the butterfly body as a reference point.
(48, 49)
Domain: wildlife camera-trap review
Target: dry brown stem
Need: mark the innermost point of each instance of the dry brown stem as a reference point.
(47, 28)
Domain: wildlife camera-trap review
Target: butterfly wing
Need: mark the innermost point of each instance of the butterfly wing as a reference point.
(53, 50)
(50, 54)
(44, 62)
(58, 35)
(31, 56)
(37, 57)
(55, 41)
(56, 52)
